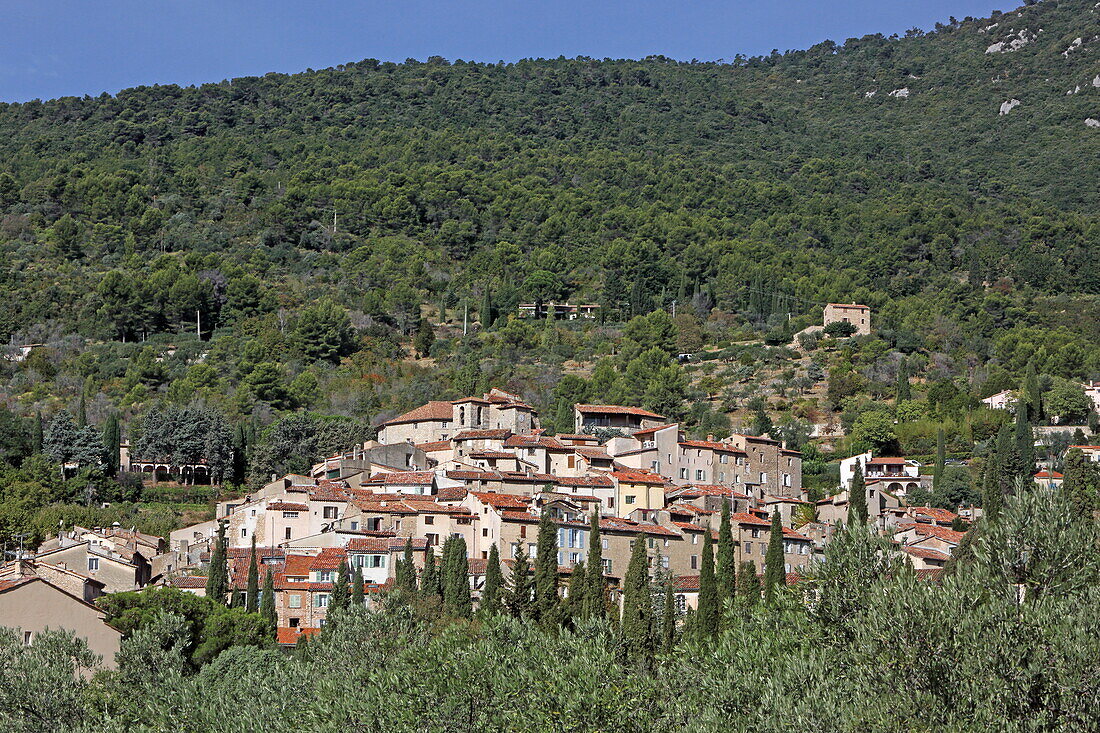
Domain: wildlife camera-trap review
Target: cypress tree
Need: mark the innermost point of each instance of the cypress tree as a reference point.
(937, 477)
(357, 597)
(251, 596)
(1079, 482)
(563, 417)
(707, 617)
(240, 454)
(726, 560)
(112, 441)
(903, 393)
(546, 570)
(456, 582)
(748, 584)
(217, 577)
(267, 600)
(519, 589)
(491, 594)
(405, 572)
(775, 571)
(338, 601)
(990, 488)
(637, 623)
(1025, 445)
(857, 499)
(37, 435)
(574, 600)
(668, 620)
(430, 586)
(1030, 393)
(594, 604)
(487, 313)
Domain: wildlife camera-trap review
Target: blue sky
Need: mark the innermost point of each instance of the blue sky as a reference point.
(51, 48)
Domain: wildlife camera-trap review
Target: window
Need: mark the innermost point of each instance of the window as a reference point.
(700, 475)
(683, 473)
(571, 462)
(681, 604)
(694, 538)
(606, 562)
(787, 480)
(664, 562)
(652, 543)
(28, 637)
(523, 530)
(694, 562)
(485, 532)
(288, 533)
(295, 621)
(432, 538)
(611, 502)
(354, 525)
(290, 515)
(574, 558)
(377, 561)
(628, 499)
(515, 548)
(321, 622)
(429, 519)
(724, 458)
(93, 563)
(748, 548)
(295, 601)
(721, 477)
(763, 478)
(329, 512)
(244, 532)
(253, 512)
(321, 600)
(655, 466)
(755, 532)
(325, 576)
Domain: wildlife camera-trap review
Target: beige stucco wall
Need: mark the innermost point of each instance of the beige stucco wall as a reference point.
(37, 606)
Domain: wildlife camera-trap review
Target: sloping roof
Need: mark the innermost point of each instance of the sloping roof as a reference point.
(599, 481)
(654, 429)
(288, 636)
(889, 461)
(934, 513)
(499, 501)
(927, 553)
(434, 446)
(618, 410)
(638, 476)
(495, 434)
(384, 544)
(188, 581)
(487, 454)
(1049, 475)
(711, 445)
(286, 506)
(405, 478)
(434, 410)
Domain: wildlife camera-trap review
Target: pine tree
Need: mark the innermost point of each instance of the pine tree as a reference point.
(217, 577)
(775, 571)
(857, 499)
(491, 594)
(546, 570)
(424, 338)
(903, 393)
(594, 604)
(637, 623)
(456, 584)
(519, 590)
(707, 618)
(937, 477)
(112, 441)
(748, 583)
(726, 560)
(338, 601)
(251, 596)
(267, 600)
(357, 597)
(668, 620)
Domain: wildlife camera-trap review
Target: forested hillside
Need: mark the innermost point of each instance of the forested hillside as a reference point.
(877, 170)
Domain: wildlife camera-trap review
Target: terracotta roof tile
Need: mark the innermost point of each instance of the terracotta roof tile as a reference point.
(434, 410)
(618, 410)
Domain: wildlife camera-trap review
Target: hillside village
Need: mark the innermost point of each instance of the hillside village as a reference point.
(483, 473)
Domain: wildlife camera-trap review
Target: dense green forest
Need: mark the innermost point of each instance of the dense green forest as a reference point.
(309, 246)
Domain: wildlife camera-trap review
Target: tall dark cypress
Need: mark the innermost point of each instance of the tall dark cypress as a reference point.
(357, 596)
(217, 577)
(748, 583)
(405, 573)
(267, 600)
(857, 499)
(1025, 445)
(492, 592)
(519, 589)
(430, 586)
(252, 594)
(456, 580)
(707, 617)
(338, 601)
(573, 604)
(112, 442)
(726, 560)
(546, 570)
(37, 433)
(594, 604)
(637, 622)
(487, 313)
(775, 571)
(668, 620)
(937, 477)
(903, 393)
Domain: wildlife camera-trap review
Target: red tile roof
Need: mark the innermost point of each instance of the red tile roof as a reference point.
(405, 478)
(942, 533)
(1049, 475)
(493, 454)
(618, 410)
(638, 476)
(712, 445)
(435, 445)
(188, 581)
(686, 583)
(285, 506)
(653, 429)
(288, 636)
(499, 501)
(934, 513)
(927, 553)
(600, 481)
(384, 544)
(434, 410)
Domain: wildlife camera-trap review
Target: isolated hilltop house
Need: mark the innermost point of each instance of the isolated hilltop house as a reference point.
(853, 313)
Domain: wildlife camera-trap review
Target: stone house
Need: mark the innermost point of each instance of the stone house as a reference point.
(853, 313)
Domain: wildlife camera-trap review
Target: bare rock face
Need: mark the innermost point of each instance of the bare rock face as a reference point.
(902, 93)
(1008, 106)
(1073, 46)
(1090, 122)
(1014, 42)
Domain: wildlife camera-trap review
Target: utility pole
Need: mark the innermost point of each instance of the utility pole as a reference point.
(466, 316)
(674, 309)
(198, 323)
